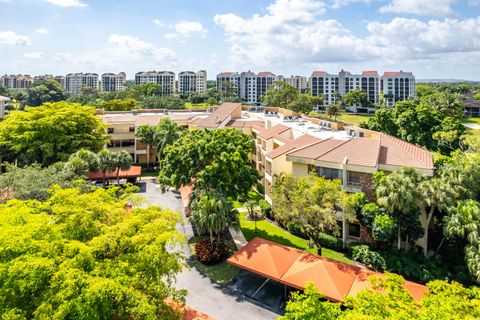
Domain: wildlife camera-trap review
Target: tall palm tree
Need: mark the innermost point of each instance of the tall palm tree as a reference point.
(147, 135)
(106, 163)
(83, 161)
(397, 193)
(166, 134)
(123, 161)
(212, 215)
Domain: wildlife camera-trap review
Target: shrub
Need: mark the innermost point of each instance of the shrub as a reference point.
(265, 207)
(370, 258)
(330, 242)
(295, 229)
(208, 253)
(383, 228)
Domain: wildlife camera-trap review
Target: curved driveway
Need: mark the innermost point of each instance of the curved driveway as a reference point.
(203, 295)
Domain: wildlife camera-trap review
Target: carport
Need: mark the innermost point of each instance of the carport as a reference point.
(294, 268)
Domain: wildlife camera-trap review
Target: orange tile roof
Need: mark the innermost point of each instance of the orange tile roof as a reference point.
(292, 267)
(273, 131)
(133, 172)
(369, 73)
(319, 73)
(398, 152)
(370, 152)
(395, 73)
(300, 142)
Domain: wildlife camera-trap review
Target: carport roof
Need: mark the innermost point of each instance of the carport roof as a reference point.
(292, 267)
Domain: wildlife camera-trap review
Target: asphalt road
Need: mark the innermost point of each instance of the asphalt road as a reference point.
(203, 295)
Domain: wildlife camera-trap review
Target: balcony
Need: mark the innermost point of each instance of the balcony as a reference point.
(353, 187)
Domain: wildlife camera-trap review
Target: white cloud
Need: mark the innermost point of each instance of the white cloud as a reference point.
(158, 23)
(11, 38)
(122, 50)
(302, 38)
(68, 3)
(33, 55)
(474, 2)
(442, 8)
(342, 3)
(41, 30)
(186, 29)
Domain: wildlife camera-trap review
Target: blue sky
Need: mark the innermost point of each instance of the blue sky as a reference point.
(432, 38)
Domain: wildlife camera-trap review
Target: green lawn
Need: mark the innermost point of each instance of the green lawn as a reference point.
(472, 132)
(269, 231)
(471, 120)
(149, 173)
(347, 118)
(219, 273)
(195, 105)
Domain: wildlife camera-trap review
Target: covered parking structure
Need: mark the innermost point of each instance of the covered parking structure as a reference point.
(131, 174)
(294, 268)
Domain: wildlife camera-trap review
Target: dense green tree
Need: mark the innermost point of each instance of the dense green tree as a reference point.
(51, 132)
(311, 202)
(214, 94)
(388, 299)
(211, 160)
(212, 214)
(446, 103)
(333, 110)
(304, 103)
(465, 223)
(44, 91)
(162, 102)
(281, 95)
(356, 97)
(105, 163)
(34, 182)
(147, 90)
(229, 92)
(119, 104)
(87, 256)
(3, 91)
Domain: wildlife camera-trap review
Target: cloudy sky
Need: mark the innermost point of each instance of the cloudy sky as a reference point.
(432, 38)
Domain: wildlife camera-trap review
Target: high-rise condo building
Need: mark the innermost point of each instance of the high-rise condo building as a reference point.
(298, 82)
(61, 80)
(113, 82)
(16, 81)
(75, 81)
(191, 82)
(231, 77)
(397, 86)
(164, 78)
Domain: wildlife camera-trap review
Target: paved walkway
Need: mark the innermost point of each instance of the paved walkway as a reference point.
(218, 302)
(472, 126)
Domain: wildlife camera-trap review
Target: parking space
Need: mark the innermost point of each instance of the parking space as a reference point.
(262, 291)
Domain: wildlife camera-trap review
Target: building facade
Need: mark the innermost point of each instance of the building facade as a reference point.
(75, 81)
(298, 82)
(233, 78)
(113, 82)
(61, 80)
(16, 81)
(192, 82)
(3, 104)
(164, 78)
(397, 86)
(391, 87)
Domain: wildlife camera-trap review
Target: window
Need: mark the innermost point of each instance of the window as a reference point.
(131, 129)
(329, 173)
(110, 130)
(353, 178)
(354, 230)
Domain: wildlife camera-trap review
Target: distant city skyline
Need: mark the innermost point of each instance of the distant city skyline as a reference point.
(434, 39)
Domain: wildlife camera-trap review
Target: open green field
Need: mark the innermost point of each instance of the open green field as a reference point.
(195, 105)
(269, 231)
(348, 118)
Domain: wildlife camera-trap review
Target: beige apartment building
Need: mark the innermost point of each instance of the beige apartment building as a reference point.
(286, 144)
(3, 104)
(16, 81)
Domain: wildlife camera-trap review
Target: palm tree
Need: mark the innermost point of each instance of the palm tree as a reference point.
(83, 161)
(106, 163)
(122, 161)
(397, 193)
(251, 206)
(212, 215)
(147, 135)
(166, 134)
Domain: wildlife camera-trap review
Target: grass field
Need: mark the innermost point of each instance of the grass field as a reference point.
(471, 120)
(196, 105)
(269, 231)
(219, 273)
(348, 118)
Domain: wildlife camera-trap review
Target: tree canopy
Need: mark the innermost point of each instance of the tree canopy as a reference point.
(87, 256)
(119, 104)
(44, 91)
(388, 299)
(50, 133)
(211, 160)
(285, 96)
